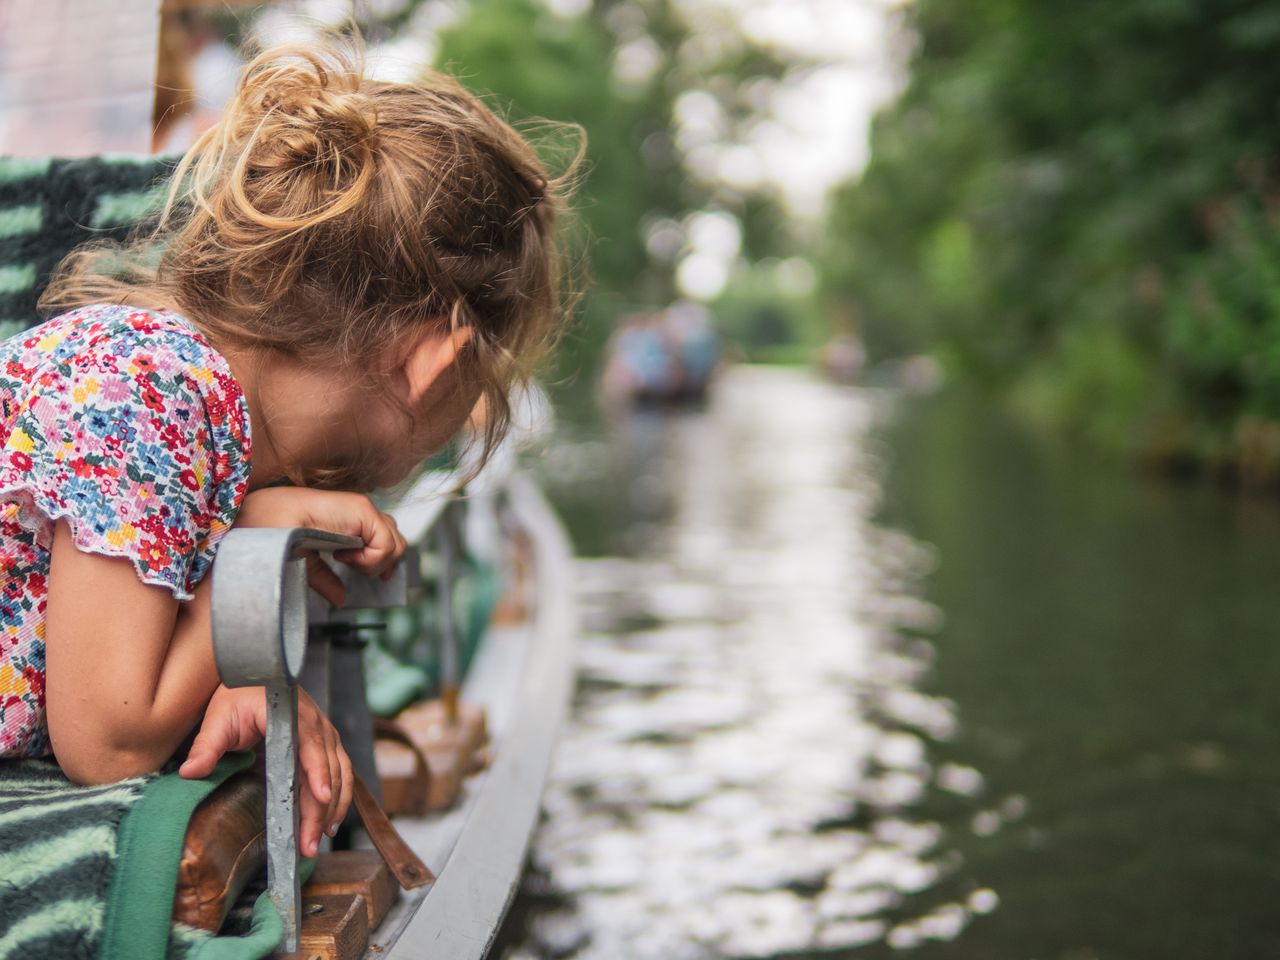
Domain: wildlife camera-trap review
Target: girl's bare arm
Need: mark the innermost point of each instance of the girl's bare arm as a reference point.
(129, 669)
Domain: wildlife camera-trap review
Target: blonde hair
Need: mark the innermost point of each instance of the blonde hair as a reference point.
(330, 216)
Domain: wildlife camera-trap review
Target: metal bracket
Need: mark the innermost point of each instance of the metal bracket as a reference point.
(260, 639)
(260, 602)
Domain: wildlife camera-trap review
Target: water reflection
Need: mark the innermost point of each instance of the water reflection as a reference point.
(750, 757)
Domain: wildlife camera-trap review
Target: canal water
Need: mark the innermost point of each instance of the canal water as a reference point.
(871, 675)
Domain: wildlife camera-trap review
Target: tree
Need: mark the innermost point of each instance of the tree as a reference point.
(1056, 202)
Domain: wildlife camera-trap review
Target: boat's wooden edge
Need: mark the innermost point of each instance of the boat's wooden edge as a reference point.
(460, 915)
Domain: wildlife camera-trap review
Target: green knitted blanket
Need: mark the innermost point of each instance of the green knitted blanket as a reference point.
(50, 206)
(88, 873)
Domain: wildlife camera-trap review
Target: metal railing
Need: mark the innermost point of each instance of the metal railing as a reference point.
(270, 631)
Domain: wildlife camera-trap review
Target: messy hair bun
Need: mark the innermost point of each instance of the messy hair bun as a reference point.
(328, 216)
(301, 132)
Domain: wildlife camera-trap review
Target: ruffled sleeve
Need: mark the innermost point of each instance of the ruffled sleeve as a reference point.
(120, 442)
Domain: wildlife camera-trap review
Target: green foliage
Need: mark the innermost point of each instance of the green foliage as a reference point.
(533, 63)
(1075, 201)
(1098, 371)
(768, 322)
(1224, 318)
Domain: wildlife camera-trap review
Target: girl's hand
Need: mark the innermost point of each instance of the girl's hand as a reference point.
(348, 513)
(236, 719)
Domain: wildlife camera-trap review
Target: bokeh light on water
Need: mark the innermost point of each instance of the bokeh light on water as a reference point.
(750, 746)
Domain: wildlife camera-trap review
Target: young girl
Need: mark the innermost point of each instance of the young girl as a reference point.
(344, 268)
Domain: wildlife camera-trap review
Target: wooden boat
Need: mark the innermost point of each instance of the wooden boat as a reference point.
(267, 632)
(521, 676)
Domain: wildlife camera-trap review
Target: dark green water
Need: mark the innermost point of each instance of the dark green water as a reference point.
(1111, 787)
(1111, 645)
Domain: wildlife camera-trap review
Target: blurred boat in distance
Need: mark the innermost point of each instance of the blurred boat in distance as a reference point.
(662, 357)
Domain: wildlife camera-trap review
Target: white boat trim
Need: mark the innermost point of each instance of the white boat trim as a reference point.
(523, 676)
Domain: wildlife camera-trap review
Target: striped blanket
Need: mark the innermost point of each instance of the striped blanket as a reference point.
(49, 206)
(88, 873)
(57, 851)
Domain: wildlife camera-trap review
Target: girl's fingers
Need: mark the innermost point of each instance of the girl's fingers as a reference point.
(402, 539)
(203, 755)
(311, 821)
(320, 756)
(348, 787)
(324, 581)
(335, 774)
(401, 545)
(383, 547)
(219, 732)
(341, 512)
(313, 756)
(313, 804)
(198, 765)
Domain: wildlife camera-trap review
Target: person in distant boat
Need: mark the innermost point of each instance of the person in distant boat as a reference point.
(343, 270)
(640, 363)
(663, 355)
(696, 346)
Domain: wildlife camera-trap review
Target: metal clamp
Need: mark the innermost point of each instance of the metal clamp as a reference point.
(260, 639)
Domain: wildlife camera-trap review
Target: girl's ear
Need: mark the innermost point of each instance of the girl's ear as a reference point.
(430, 357)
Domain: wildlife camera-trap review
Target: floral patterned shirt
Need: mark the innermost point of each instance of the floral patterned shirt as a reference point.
(127, 424)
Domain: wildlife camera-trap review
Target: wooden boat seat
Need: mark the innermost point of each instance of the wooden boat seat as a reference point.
(333, 928)
(352, 872)
(423, 739)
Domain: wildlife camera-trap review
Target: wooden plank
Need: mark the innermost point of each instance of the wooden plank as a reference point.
(333, 928)
(452, 751)
(349, 872)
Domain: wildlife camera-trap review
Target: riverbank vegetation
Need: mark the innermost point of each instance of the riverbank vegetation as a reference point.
(1078, 205)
